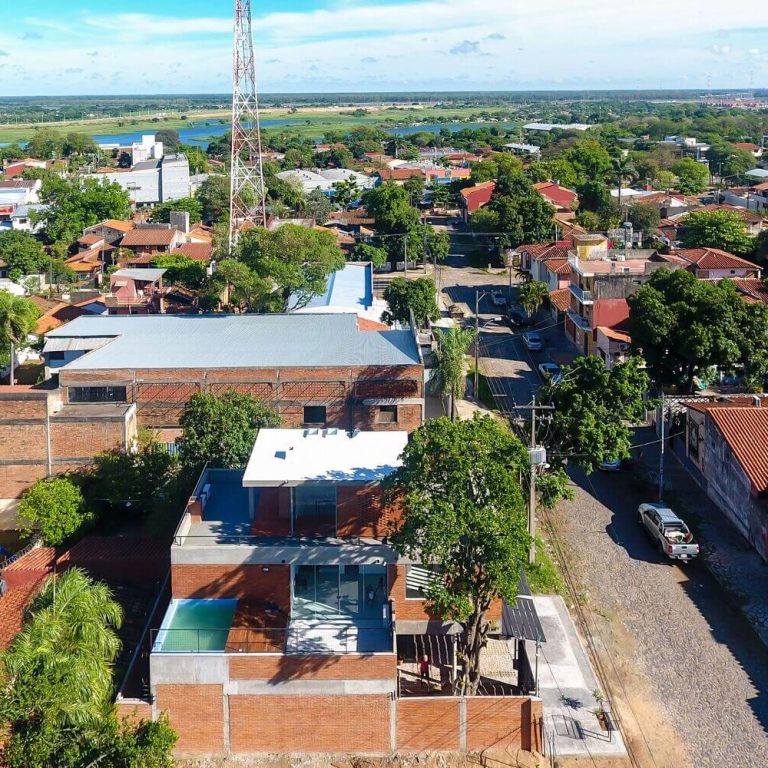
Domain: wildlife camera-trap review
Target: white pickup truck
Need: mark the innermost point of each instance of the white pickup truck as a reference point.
(668, 531)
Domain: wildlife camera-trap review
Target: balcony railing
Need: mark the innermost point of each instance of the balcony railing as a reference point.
(585, 297)
(580, 321)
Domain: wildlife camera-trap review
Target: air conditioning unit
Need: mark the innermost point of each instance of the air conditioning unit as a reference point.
(624, 347)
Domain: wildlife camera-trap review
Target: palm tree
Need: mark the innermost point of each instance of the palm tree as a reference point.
(532, 296)
(624, 171)
(18, 317)
(395, 144)
(452, 346)
(59, 667)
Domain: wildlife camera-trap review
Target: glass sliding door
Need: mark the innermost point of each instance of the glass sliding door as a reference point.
(333, 591)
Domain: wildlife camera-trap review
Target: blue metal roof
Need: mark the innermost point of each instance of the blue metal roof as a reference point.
(237, 341)
(349, 288)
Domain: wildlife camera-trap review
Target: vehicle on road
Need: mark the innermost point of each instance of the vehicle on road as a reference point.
(610, 465)
(551, 372)
(498, 299)
(516, 318)
(533, 341)
(670, 534)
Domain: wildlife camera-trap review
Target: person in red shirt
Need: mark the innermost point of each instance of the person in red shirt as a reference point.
(424, 670)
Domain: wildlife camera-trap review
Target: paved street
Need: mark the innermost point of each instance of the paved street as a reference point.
(688, 675)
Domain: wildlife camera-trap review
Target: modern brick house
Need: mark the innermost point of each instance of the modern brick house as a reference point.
(293, 625)
(118, 373)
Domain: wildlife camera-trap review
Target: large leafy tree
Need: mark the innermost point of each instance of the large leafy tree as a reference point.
(295, 259)
(161, 214)
(54, 509)
(390, 206)
(692, 177)
(45, 144)
(406, 296)
(18, 318)
(717, 229)
(683, 326)
(56, 686)
(645, 218)
(213, 196)
(464, 512)
(75, 205)
(450, 361)
(594, 408)
(23, 254)
(365, 252)
(221, 430)
(181, 270)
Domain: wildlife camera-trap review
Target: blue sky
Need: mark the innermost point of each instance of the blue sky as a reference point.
(169, 46)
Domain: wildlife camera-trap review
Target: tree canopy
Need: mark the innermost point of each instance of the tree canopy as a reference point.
(683, 326)
(594, 410)
(221, 430)
(213, 196)
(22, 253)
(450, 362)
(717, 229)
(18, 319)
(645, 218)
(161, 214)
(54, 509)
(406, 296)
(464, 513)
(532, 295)
(692, 177)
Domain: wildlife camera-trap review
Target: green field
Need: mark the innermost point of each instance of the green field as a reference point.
(309, 123)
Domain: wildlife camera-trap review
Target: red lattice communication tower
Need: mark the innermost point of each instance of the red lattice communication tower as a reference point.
(248, 206)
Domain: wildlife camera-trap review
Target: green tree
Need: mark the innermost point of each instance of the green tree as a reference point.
(22, 253)
(181, 270)
(464, 513)
(161, 214)
(297, 260)
(214, 195)
(54, 509)
(692, 177)
(415, 188)
(221, 430)
(196, 157)
(623, 170)
(532, 295)
(442, 195)
(365, 252)
(390, 206)
(45, 144)
(406, 296)
(75, 205)
(18, 318)
(244, 290)
(590, 161)
(684, 326)
(170, 140)
(594, 410)
(78, 144)
(645, 218)
(317, 205)
(345, 193)
(450, 361)
(717, 229)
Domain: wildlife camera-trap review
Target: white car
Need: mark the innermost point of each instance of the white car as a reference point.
(498, 299)
(551, 372)
(533, 341)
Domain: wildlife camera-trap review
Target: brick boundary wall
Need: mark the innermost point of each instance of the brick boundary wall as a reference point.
(283, 667)
(428, 725)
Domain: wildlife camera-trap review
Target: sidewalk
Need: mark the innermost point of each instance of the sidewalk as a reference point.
(726, 554)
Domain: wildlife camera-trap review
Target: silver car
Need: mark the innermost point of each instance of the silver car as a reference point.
(670, 534)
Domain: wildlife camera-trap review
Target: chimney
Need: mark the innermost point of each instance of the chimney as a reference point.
(180, 220)
(757, 401)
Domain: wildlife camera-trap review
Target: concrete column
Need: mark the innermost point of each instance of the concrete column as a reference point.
(463, 724)
(227, 738)
(393, 723)
(251, 504)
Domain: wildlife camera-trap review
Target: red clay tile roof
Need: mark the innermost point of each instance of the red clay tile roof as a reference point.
(754, 289)
(111, 549)
(118, 224)
(558, 266)
(90, 239)
(543, 251)
(148, 237)
(560, 196)
(561, 298)
(399, 174)
(13, 606)
(39, 559)
(615, 334)
(196, 251)
(713, 258)
(62, 313)
(728, 401)
(745, 430)
(760, 187)
(748, 146)
(363, 324)
(750, 217)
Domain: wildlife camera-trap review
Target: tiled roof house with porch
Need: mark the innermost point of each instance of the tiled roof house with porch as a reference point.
(294, 626)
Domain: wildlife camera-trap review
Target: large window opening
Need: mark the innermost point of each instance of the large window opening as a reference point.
(97, 395)
(314, 510)
(333, 591)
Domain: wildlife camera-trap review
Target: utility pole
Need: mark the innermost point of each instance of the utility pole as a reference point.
(477, 346)
(537, 457)
(661, 452)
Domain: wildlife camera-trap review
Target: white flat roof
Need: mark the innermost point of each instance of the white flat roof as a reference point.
(299, 456)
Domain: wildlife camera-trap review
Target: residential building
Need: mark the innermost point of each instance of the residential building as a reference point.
(146, 239)
(689, 147)
(23, 217)
(712, 263)
(725, 443)
(528, 150)
(614, 345)
(475, 197)
(135, 291)
(753, 221)
(533, 255)
(747, 146)
(323, 179)
(752, 289)
(548, 127)
(556, 273)
(112, 230)
(290, 607)
(563, 199)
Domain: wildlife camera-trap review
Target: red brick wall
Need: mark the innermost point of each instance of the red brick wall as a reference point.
(134, 710)
(309, 723)
(361, 512)
(16, 478)
(240, 581)
(23, 441)
(23, 406)
(428, 725)
(373, 667)
(85, 439)
(502, 722)
(196, 713)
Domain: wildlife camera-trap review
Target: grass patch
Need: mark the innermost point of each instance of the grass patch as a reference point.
(544, 576)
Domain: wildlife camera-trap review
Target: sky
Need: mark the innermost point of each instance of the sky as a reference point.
(69, 47)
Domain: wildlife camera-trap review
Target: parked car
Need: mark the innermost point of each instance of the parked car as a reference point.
(670, 534)
(498, 299)
(610, 465)
(533, 341)
(551, 372)
(517, 318)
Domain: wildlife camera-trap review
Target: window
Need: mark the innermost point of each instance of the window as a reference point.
(314, 415)
(386, 414)
(417, 580)
(97, 395)
(55, 355)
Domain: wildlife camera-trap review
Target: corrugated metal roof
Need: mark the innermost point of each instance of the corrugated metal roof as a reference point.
(237, 341)
(521, 620)
(147, 275)
(75, 344)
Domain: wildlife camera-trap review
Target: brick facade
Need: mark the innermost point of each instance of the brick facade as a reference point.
(196, 713)
(428, 725)
(494, 723)
(248, 582)
(288, 724)
(346, 667)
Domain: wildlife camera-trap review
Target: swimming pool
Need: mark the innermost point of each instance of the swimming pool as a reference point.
(195, 626)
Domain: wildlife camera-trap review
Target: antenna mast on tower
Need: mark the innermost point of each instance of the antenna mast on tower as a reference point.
(248, 204)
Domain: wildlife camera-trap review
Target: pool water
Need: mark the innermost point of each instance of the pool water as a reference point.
(195, 626)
